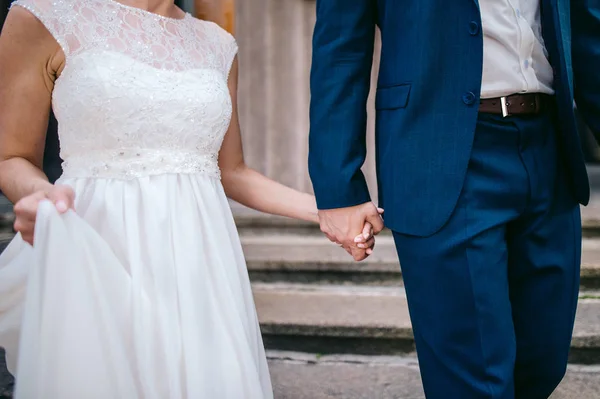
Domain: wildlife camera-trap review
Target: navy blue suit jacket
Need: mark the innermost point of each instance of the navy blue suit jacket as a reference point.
(427, 100)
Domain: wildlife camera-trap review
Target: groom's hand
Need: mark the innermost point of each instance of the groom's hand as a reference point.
(342, 225)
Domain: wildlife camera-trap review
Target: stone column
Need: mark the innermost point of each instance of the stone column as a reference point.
(275, 53)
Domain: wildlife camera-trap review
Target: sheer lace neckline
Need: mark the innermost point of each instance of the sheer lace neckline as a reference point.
(109, 26)
(138, 96)
(149, 13)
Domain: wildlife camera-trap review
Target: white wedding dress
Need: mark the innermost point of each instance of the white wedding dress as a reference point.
(143, 291)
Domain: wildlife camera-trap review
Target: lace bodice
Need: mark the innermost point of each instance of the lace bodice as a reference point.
(140, 94)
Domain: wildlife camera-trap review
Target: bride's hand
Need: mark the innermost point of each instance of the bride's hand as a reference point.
(366, 239)
(26, 208)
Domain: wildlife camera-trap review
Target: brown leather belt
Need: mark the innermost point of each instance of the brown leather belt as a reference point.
(516, 104)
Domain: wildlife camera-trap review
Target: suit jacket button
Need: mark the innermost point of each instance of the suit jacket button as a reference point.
(473, 28)
(469, 98)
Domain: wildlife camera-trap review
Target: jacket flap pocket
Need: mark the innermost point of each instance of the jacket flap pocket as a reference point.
(392, 97)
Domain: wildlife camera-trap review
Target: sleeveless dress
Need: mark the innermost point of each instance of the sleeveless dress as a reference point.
(143, 291)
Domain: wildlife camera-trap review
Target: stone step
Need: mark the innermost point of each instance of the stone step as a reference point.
(274, 225)
(368, 320)
(312, 258)
(308, 258)
(312, 376)
(253, 222)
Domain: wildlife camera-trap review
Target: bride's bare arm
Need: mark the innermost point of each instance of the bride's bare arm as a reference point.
(250, 188)
(29, 59)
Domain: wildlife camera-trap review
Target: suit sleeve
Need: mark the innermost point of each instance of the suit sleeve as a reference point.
(342, 57)
(585, 17)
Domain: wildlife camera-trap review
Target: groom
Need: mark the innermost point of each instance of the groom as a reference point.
(480, 172)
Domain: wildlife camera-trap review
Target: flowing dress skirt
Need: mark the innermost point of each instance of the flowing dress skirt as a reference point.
(142, 292)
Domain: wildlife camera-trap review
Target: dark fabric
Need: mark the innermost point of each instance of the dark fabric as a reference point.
(52, 160)
(426, 100)
(4, 4)
(503, 268)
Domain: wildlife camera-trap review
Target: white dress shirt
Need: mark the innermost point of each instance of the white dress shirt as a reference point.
(515, 59)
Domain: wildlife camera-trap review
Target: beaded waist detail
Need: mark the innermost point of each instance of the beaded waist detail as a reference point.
(129, 164)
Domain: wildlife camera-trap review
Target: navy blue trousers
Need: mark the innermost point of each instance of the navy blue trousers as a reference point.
(493, 294)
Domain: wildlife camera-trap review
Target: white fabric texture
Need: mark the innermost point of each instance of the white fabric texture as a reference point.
(143, 291)
(515, 59)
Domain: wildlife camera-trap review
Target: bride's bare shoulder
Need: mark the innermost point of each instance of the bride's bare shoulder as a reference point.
(24, 36)
(22, 16)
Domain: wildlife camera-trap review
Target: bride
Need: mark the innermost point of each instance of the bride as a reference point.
(127, 278)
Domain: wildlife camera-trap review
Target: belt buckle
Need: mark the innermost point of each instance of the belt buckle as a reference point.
(504, 106)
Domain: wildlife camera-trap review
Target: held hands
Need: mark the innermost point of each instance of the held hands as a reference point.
(341, 225)
(26, 208)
